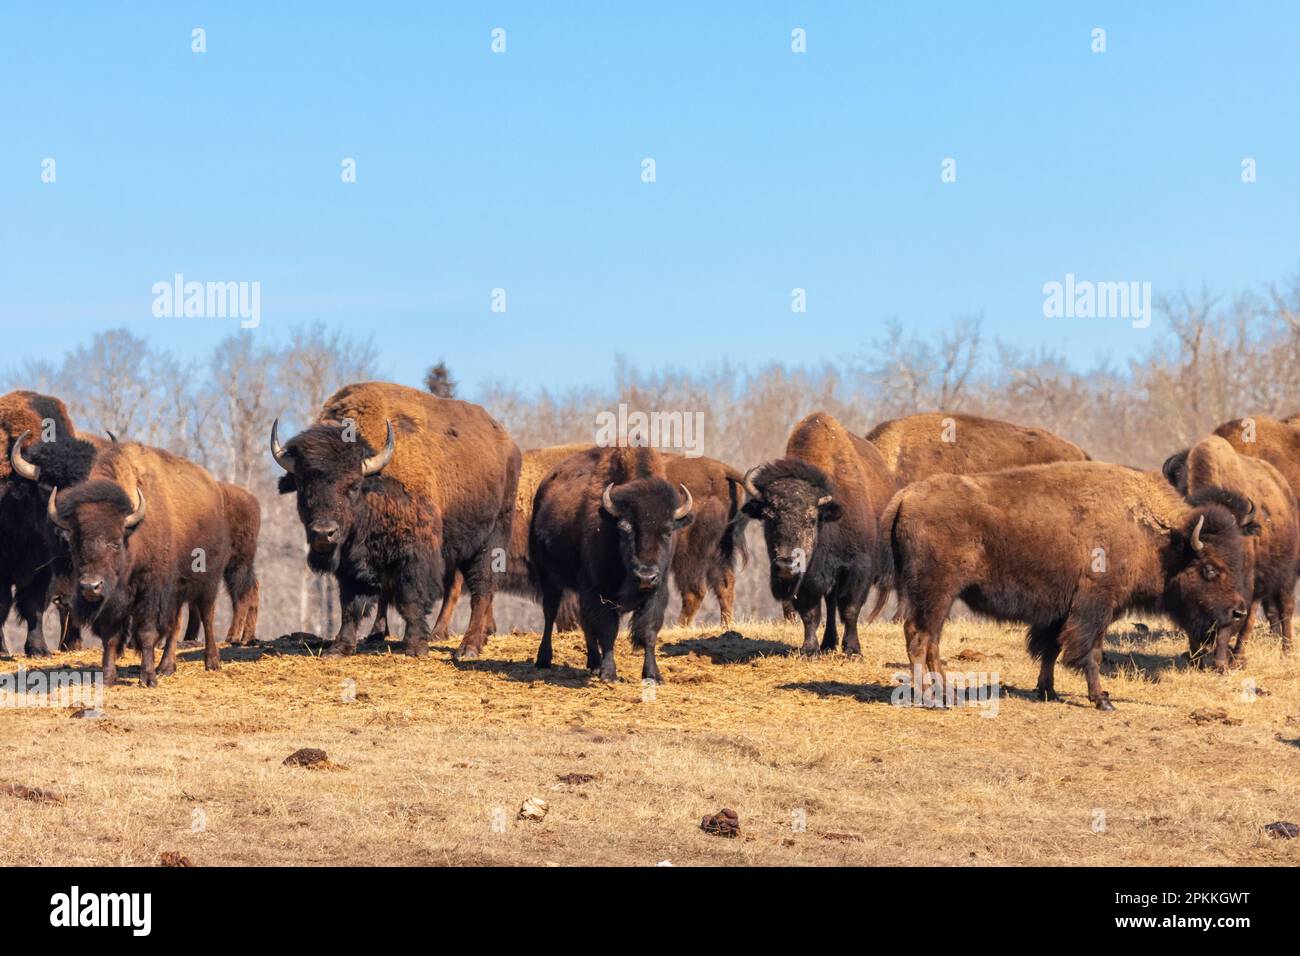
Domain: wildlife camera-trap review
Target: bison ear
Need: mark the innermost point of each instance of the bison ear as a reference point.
(683, 521)
(1175, 470)
(287, 485)
(831, 511)
(753, 508)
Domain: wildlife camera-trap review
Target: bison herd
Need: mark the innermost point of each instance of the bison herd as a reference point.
(407, 499)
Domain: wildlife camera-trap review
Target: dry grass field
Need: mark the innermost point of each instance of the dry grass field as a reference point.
(430, 758)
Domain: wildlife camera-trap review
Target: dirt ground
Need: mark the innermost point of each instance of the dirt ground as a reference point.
(430, 761)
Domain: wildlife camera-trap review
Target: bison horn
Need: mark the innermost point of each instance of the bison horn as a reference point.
(136, 516)
(111, 436)
(282, 457)
(824, 500)
(1250, 512)
(52, 510)
(375, 463)
(685, 509)
(1197, 544)
(20, 464)
(607, 500)
(749, 482)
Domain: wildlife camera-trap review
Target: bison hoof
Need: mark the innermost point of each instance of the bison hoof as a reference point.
(32, 649)
(1047, 695)
(543, 665)
(464, 653)
(608, 675)
(340, 649)
(148, 680)
(415, 648)
(214, 665)
(1105, 704)
(166, 668)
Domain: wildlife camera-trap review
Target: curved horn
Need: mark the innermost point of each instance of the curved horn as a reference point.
(20, 464)
(282, 457)
(111, 436)
(52, 510)
(749, 482)
(685, 509)
(375, 463)
(136, 516)
(1197, 544)
(825, 500)
(1250, 512)
(607, 500)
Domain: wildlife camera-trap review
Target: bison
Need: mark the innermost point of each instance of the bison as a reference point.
(244, 519)
(1064, 548)
(604, 525)
(397, 490)
(934, 443)
(1272, 551)
(30, 551)
(1270, 440)
(147, 534)
(820, 507)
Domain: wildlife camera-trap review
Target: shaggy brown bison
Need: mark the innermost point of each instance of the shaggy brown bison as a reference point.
(1270, 440)
(398, 490)
(147, 533)
(1063, 548)
(820, 506)
(604, 524)
(1273, 549)
(30, 551)
(707, 551)
(244, 519)
(943, 443)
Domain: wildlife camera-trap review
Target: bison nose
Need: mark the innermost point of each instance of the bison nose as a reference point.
(325, 532)
(92, 589)
(646, 578)
(785, 566)
(1239, 612)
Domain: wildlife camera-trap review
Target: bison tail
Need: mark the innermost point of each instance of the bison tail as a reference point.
(889, 557)
(240, 579)
(733, 542)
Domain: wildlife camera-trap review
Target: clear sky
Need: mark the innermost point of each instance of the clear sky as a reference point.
(523, 171)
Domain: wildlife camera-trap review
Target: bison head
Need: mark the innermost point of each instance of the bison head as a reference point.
(1206, 588)
(793, 499)
(646, 512)
(328, 466)
(97, 519)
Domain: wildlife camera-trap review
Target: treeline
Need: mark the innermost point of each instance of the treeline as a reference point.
(1217, 358)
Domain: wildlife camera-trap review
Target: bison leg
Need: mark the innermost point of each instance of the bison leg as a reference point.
(724, 586)
(481, 581)
(112, 651)
(849, 613)
(31, 607)
(811, 615)
(600, 626)
(69, 634)
(923, 632)
(1082, 641)
(352, 606)
(830, 637)
(252, 603)
(646, 622)
(167, 666)
(691, 601)
(550, 604)
(451, 597)
(567, 618)
(1286, 610)
(191, 626)
(1045, 644)
(146, 638)
(788, 613)
(207, 610)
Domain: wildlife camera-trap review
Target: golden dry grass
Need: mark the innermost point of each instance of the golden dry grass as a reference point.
(429, 750)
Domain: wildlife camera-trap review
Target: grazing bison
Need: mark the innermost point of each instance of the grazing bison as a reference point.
(604, 524)
(30, 551)
(147, 533)
(935, 443)
(1272, 551)
(1063, 548)
(398, 490)
(820, 506)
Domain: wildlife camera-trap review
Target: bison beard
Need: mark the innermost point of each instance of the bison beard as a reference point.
(604, 523)
(1022, 545)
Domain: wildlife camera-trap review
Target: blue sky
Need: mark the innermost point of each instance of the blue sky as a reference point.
(522, 171)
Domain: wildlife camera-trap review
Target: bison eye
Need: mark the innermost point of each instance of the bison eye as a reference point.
(1208, 572)
(625, 526)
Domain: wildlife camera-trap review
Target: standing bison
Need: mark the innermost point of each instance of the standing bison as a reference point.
(398, 490)
(706, 553)
(1064, 548)
(935, 443)
(604, 524)
(1272, 550)
(147, 534)
(30, 552)
(820, 507)
(1276, 442)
